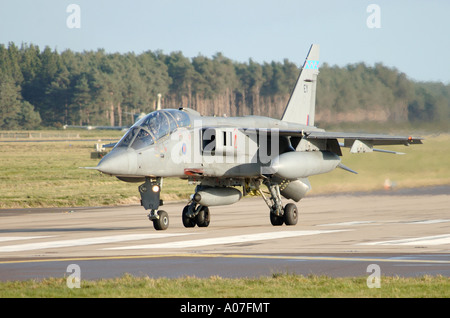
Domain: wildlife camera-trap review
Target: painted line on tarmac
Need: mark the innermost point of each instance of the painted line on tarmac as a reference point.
(429, 221)
(20, 238)
(86, 241)
(167, 245)
(425, 240)
(350, 223)
(357, 223)
(224, 240)
(380, 259)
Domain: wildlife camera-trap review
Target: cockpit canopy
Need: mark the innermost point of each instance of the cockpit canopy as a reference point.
(153, 127)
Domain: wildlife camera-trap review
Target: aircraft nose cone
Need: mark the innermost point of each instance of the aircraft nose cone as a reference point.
(119, 162)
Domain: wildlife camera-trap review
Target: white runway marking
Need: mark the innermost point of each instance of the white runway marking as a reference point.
(224, 240)
(429, 221)
(85, 241)
(352, 223)
(349, 223)
(425, 240)
(20, 238)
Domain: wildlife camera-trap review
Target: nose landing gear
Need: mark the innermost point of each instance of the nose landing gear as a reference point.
(150, 200)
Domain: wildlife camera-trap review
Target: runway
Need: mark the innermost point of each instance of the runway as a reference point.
(404, 233)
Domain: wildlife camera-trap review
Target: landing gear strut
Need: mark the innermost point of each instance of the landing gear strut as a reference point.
(150, 200)
(279, 215)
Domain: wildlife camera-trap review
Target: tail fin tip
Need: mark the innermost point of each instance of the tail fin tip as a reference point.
(302, 102)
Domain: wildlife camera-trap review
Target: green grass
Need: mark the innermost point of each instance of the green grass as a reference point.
(420, 166)
(276, 286)
(47, 174)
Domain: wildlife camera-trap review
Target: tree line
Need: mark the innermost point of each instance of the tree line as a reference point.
(45, 88)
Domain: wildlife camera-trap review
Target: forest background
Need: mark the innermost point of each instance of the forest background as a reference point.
(47, 89)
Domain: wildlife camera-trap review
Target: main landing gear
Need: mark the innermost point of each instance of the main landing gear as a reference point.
(195, 214)
(279, 215)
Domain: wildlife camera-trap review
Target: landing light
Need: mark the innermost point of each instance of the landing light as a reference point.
(155, 188)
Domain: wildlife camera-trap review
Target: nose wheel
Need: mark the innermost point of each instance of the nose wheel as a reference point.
(162, 221)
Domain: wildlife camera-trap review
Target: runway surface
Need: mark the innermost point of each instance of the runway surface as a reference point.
(405, 233)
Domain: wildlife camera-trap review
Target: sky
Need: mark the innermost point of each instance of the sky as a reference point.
(411, 35)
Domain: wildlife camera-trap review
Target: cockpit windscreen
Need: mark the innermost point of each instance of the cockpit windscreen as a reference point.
(153, 127)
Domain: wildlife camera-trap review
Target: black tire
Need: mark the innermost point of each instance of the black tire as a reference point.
(203, 217)
(276, 220)
(187, 221)
(290, 214)
(162, 223)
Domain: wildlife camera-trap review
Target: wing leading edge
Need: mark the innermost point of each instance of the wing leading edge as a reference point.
(374, 139)
(362, 143)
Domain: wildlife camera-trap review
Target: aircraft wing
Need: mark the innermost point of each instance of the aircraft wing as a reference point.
(357, 142)
(361, 143)
(374, 139)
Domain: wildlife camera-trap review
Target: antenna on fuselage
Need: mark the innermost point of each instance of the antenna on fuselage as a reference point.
(158, 104)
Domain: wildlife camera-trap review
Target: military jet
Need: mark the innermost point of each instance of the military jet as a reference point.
(229, 157)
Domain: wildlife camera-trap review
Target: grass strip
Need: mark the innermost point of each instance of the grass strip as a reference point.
(276, 286)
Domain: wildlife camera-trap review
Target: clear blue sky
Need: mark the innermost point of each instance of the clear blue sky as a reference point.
(414, 36)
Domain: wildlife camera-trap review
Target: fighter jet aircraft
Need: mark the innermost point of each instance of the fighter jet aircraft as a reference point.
(229, 157)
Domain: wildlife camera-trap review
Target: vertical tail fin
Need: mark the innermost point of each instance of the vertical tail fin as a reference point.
(301, 106)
